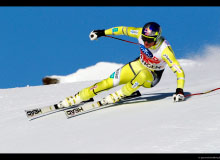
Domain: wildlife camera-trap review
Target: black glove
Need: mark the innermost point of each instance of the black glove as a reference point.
(179, 95)
(96, 34)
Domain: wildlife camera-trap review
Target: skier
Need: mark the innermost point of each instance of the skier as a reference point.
(145, 71)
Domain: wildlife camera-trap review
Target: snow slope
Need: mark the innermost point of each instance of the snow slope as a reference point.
(155, 125)
(97, 72)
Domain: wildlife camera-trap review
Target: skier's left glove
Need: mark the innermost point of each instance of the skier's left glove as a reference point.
(179, 95)
(96, 34)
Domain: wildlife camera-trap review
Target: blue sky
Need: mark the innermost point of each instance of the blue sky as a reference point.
(40, 41)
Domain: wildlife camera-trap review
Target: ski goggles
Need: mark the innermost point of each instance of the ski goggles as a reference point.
(148, 38)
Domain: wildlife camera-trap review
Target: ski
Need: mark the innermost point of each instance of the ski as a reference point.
(72, 112)
(47, 110)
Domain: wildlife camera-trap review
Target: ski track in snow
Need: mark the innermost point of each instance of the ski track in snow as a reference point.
(157, 125)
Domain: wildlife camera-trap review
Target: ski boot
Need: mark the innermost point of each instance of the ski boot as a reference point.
(69, 101)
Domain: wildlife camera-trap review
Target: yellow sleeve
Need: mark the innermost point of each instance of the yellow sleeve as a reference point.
(169, 57)
(122, 30)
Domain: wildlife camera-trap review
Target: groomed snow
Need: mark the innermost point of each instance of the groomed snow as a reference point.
(156, 125)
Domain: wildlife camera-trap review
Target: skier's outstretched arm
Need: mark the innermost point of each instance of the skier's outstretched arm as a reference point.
(121, 30)
(174, 65)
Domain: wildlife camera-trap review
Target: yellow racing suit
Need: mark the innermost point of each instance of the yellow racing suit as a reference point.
(144, 71)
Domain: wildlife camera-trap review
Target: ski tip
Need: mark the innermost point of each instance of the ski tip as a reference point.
(33, 112)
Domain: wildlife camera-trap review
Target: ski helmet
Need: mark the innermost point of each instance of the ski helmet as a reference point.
(151, 32)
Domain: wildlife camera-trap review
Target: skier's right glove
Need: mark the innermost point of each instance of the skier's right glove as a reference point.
(96, 34)
(179, 95)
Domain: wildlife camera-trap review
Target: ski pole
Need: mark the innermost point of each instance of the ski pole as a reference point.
(201, 93)
(121, 39)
